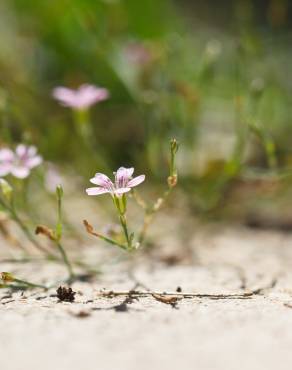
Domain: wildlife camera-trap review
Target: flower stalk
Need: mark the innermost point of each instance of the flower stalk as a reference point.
(59, 231)
(56, 235)
(123, 184)
(172, 179)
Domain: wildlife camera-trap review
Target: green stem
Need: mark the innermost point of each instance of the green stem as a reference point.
(66, 260)
(121, 206)
(270, 153)
(24, 228)
(150, 213)
(123, 222)
(139, 200)
(84, 130)
(111, 241)
(32, 285)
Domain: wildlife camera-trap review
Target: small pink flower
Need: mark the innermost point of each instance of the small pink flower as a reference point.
(81, 98)
(123, 182)
(20, 162)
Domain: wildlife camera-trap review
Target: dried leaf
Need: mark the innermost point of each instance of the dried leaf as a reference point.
(166, 299)
(44, 230)
(89, 229)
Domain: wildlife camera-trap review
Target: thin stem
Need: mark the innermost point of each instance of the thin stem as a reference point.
(139, 200)
(171, 181)
(23, 227)
(29, 284)
(111, 241)
(270, 152)
(150, 213)
(66, 260)
(121, 206)
(123, 222)
(84, 129)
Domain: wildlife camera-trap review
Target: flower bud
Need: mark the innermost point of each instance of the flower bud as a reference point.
(6, 189)
(172, 178)
(6, 277)
(174, 146)
(59, 191)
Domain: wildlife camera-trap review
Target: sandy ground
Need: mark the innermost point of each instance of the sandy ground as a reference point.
(210, 332)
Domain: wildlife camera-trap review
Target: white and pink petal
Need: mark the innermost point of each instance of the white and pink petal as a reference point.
(102, 180)
(96, 191)
(122, 176)
(121, 191)
(20, 172)
(34, 161)
(6, 155)
(5, 169)
(136, 181)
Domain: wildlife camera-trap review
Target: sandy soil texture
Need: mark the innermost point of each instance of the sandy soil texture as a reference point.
(240, 316)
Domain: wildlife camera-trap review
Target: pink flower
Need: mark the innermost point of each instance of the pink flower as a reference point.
(20, 162)
(82, 98)
(6, 161)
(123, 182)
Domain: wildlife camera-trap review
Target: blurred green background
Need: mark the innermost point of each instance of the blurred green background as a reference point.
(216, 76)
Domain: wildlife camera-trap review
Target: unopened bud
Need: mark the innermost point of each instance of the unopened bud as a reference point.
(59, 191)
(172, 178)
(158, 204)
(174, 146)
(6, 189)
(172, 181)
(6, 277)
(136, 245)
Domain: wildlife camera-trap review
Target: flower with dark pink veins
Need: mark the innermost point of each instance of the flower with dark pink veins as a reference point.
(123, 183)
(20, 162)
(82, 98)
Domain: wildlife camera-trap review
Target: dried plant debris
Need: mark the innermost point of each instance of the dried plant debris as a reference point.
(44, 230)
(89, 228)
(66, 294)
(80, 314)
(171, 300)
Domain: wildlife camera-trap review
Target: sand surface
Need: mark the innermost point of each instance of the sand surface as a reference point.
(220, 331)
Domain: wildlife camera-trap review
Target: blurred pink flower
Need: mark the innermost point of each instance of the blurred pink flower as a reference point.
(52, 178)
(123, 182)
(20, 162)
(81, 98)
(137, 53)
(6, 161)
